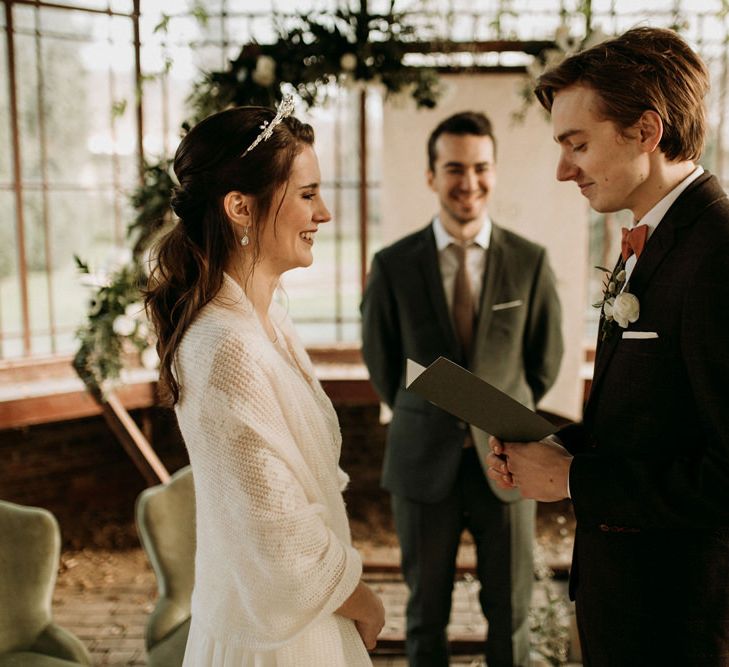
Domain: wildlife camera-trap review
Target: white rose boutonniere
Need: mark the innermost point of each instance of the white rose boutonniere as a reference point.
(626, 309)
(618, 304)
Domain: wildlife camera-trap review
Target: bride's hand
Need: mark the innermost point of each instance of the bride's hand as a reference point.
(365, 608)
(369, 628)
(369, 633)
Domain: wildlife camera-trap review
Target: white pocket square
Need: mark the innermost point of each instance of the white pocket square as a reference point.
(507, 304)
(640, 334)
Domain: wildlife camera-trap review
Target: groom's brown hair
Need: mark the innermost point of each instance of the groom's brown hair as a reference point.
(642, 69)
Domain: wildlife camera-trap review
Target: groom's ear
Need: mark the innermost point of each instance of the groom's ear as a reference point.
(650, 128)
(238, 208)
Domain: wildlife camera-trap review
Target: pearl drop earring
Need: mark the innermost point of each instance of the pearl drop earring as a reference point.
(244, 241)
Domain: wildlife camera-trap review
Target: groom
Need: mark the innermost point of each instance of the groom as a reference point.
(648, 468)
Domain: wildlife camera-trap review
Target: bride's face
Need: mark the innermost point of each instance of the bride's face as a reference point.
(297, 211)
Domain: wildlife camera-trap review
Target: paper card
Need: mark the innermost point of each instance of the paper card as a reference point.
(412, 371)
(465, 395)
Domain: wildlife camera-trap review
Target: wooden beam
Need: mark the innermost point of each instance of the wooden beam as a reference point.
(139, 83)
(132, 439)
(60, 406)
(531, 47)
(363, 190)
(48, 390)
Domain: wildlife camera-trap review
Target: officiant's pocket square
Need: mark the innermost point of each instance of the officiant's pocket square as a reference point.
(507, 304)
(640, 334)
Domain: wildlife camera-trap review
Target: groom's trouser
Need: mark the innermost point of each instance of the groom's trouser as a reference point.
(503, 533)
(664, 593)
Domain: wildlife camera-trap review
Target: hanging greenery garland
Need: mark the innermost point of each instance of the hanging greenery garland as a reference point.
(345, 47)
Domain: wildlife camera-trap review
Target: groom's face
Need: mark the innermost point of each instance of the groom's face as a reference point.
(607, 163)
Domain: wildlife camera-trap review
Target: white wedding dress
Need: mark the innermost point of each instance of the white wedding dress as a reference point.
(274, 558)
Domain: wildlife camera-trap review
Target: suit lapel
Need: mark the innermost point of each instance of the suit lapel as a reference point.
(656, 249)
(433, 281)
(605, 349)
(703, 192)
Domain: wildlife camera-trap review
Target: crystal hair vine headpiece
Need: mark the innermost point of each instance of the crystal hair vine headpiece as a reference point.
(285, 108)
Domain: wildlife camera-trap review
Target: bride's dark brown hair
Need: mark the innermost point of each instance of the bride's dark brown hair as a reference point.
(190, 260)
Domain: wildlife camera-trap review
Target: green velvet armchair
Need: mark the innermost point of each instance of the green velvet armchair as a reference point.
(30, 548)
(166, 525)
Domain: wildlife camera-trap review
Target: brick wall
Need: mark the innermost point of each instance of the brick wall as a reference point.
(363, 446)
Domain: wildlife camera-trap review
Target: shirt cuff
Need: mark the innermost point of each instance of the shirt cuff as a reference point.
(569, 492)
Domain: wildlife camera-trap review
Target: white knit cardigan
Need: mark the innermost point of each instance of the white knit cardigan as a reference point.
(274, 558)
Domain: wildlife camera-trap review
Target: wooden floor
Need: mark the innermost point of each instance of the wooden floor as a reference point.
(105, 598)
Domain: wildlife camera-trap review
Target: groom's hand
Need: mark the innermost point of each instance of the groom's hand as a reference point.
(497, 463)
(540, 470)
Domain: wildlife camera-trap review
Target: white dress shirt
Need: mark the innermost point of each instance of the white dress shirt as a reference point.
(655, 215)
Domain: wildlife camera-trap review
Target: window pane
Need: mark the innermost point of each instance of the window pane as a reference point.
(348, 255)
(10, 309)
(125, 6)
(84, 84)
(35, 262)
(87, 135)
(85, 230)
(251, 28)
(165, 94)
(89, 234)
(27, 84)
(23, 19)
(6, 156)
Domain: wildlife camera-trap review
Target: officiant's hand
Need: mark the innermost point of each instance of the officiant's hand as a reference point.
(540, 470)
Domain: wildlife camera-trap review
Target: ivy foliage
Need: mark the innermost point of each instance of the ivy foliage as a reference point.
(104, 347)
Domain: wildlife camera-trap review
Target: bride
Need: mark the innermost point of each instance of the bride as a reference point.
(277, 581)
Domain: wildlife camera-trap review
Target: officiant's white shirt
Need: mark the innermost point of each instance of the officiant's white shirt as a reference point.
(475, 260)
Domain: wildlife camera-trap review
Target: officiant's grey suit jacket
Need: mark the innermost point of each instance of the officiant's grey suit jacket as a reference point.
(517, 347)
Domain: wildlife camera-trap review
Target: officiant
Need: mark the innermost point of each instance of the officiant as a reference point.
(470, 290)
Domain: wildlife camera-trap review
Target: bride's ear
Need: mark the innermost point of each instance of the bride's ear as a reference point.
(238, 208)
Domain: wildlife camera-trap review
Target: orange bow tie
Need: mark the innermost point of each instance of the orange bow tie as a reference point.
(634, 241)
